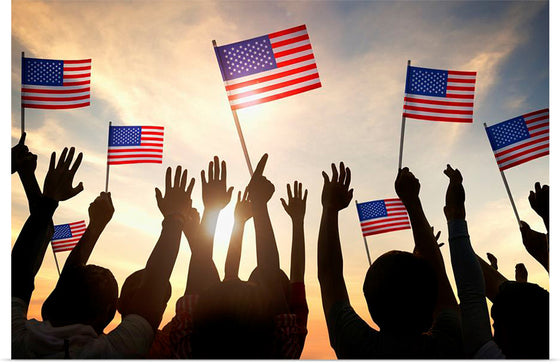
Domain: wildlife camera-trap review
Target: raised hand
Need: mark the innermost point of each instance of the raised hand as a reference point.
(260, 189)
(336, 194)
(493, 260)
(454, 208)
(101, 209)
(243, 210)
(177, 199)
(23, 161)
(215, 193)
(536, 244)
(521, 273)
(407, 186)
(296, 203)
(58, 182)
(539, 200)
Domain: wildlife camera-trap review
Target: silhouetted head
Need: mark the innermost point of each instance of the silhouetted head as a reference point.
(257, 277)
(85, 295)
(521, 320)
(231, 321)
(129, 288)
(401, 292)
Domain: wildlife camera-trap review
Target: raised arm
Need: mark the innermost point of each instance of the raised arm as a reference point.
(407, 188)
(24, 163)
(295, 208)
(492, 279)
(521, 274)
(241, 214)
(100, 213)
(150, 299)
(467, 271)
(539, 201)
(493, 260)
(536, 244)
(29, 249)
(336, 196)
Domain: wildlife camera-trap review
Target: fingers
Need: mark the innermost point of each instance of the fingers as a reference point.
(342, 172)
(537, 187)
(284, 204)
(448, 171)
(203, 177)
(184, 180)
(177, 179)
(305, 196)
(190, 187)
(260, 166)
(60, 163)
(348, 177)
(224, 172)
(168, 179)
(76, 164)
(334, 173)
(210, 171)
(53, 159)
(159, 196)
(22, 138)
(290, 191)
(229, 192)
(325, 177)
(246, 194)
(79, 188)
(238, 196)
(438, 235)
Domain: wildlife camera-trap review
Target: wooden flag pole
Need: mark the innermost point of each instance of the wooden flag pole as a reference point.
(509, 193)
(238, 127)
(21, 99)
(365, 240)
(107, 174)
(55, 260)
(402, 129)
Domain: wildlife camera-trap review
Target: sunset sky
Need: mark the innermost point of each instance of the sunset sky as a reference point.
(153, 64)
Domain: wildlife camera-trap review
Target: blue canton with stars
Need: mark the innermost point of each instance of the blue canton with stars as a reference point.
(245, 58)
(124, 135)
(508, 132)
(371, 210)
(426, 81)
(62, 232)
(43, 72)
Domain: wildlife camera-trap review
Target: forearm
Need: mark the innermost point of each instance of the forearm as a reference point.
(267, 252)
(207, 230)
(492, 279)
(29, 249)
(233, 257)
(470, 287)
(329, 261)
(31, 188)
(82, 251)
(297, 266)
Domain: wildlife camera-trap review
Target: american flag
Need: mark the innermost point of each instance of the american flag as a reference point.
(268, 68)
(382, 216)
(55, 84)
(135, 144)
(66, 236)
(520, 139)
(439, 95)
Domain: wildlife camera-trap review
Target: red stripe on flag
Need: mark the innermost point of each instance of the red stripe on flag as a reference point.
(544, 117)
(39, 98)
(150, 139)
(459, 96)
(292, 51)
(289, 41)
(374, 222)
(274, 86)
(295, 60)
(461, 80)
(527, 151)
(441, 111)
(460, 88)
(136, 161)
(148, 155)
(367, 233)
(462, 73)
(437, 118)
(521, 146)
(49, 91)
(435, 102)
(76, 83)
(84, 68)
(287, 31)
(521, 161)
(33, 106)
(78, 61)
(133, 150)
(271, 77)
(277, 96)
(79, 75)
(535, 113)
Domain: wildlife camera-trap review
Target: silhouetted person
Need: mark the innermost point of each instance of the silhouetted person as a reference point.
(535, 242)
(521, 274)
(404, 291)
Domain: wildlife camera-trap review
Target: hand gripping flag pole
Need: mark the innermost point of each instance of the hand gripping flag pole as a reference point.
(402, 134)
(238, 128)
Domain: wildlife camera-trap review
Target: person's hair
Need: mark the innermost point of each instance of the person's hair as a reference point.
(521, 320)
(231, 321)
(257, 277)
(401, 292)
(85, 295)
(128, 290)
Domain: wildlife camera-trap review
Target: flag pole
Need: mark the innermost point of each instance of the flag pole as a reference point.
(55, 260)
(365, 240)
(509, 192)
(402, 129)
(107, 174)
(22, 113)
(238, 127)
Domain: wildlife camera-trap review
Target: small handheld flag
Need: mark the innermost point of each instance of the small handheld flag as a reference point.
(439, 95)
(520, 139)
(135, 144)
(55, 84)
(66, 236)
(382, 216)
(267, 68)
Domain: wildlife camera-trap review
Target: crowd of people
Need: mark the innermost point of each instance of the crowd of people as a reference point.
(409, 295)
